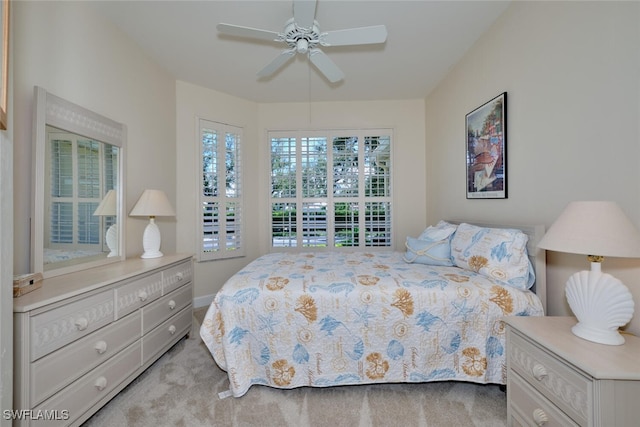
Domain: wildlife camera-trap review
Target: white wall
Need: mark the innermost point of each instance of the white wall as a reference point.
(73, 53)
(571, 70)
(405, 117)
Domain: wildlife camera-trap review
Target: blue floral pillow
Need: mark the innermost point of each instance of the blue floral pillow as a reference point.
(498, 253)
(432, 247)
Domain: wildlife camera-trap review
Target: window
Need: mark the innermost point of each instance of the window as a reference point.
(84, 170)
(220, 201)
(331, 189)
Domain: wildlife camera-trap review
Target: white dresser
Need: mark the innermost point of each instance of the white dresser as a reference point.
(555, 378)
(84, 336)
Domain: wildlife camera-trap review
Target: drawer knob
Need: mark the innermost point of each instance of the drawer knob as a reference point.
(101, 347)
(82, 323)
(172, 305)
(179, 276)
(540, 417)
(143, 295)
(172, 329)
(101, 383)
(539, 372)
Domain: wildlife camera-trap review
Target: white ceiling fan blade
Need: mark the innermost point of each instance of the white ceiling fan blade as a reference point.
(278, 62)
(353, 36)
(254, 33)
(325, 65)
(304, 12)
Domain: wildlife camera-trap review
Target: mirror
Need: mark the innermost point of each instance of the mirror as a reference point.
(77, 216)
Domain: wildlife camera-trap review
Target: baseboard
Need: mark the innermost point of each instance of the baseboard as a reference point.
(203, 301)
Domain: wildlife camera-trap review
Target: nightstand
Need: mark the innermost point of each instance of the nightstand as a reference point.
(555, 378)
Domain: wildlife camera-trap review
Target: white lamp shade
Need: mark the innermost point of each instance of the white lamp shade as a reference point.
(593, 228)
(107, 206)
(153, 203)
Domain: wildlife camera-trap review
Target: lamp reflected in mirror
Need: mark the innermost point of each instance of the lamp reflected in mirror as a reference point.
(107, 210)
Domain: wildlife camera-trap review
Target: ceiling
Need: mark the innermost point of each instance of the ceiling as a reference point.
(425, 39)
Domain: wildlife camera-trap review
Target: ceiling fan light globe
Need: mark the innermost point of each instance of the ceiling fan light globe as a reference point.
(302, 45)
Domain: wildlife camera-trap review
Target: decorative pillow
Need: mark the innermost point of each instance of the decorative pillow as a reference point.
(442, 230)
(432, 247)
(499, 253)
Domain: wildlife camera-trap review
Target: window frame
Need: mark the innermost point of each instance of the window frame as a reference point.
(222, 200)
(331, 200)
(83, 229)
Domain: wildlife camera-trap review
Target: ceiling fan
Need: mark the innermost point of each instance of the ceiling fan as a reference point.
(302, 35)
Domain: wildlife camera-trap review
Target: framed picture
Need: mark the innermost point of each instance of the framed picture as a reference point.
(486, 130)
(4, 61)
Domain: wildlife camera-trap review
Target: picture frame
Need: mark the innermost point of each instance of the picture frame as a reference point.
(4, 62)
(486, 150)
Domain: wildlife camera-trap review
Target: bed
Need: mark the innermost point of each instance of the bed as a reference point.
(51, 256)
(429, 313)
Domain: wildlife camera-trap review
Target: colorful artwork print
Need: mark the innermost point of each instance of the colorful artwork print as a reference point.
(486, 130)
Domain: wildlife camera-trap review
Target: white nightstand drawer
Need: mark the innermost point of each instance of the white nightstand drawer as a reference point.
(88, 390)
(55, 328)
(530, 408)
(56, 370)
(160, 310)
(567, 388)
(177, 276)
(138, 293)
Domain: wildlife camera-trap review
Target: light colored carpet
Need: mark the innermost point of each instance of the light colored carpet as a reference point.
(181, 389)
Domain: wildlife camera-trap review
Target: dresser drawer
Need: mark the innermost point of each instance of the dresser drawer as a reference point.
(177, 276)
(160, 310)
(81, 395)
(137, 293)
(167, 334)
(530, 408)
(56, 370)
(571, 391)
(55, 328)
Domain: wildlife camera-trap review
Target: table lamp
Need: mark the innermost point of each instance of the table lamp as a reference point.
(152, 203)
(107, 207)
(600, 302)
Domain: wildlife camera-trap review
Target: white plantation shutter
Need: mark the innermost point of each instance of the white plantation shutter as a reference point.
(331, 189)
(220, 202)
(75, 192)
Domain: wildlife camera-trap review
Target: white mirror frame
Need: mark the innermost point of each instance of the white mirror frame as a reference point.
(62, 114)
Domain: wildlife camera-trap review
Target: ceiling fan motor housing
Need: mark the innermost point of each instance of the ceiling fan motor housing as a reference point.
(299, 38)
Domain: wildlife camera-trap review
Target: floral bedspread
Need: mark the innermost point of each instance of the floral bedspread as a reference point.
(325, 319)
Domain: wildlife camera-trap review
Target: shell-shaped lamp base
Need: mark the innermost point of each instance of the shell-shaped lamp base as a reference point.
(112, 240)
(599, 335)
(601, 303)
(151, 241)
